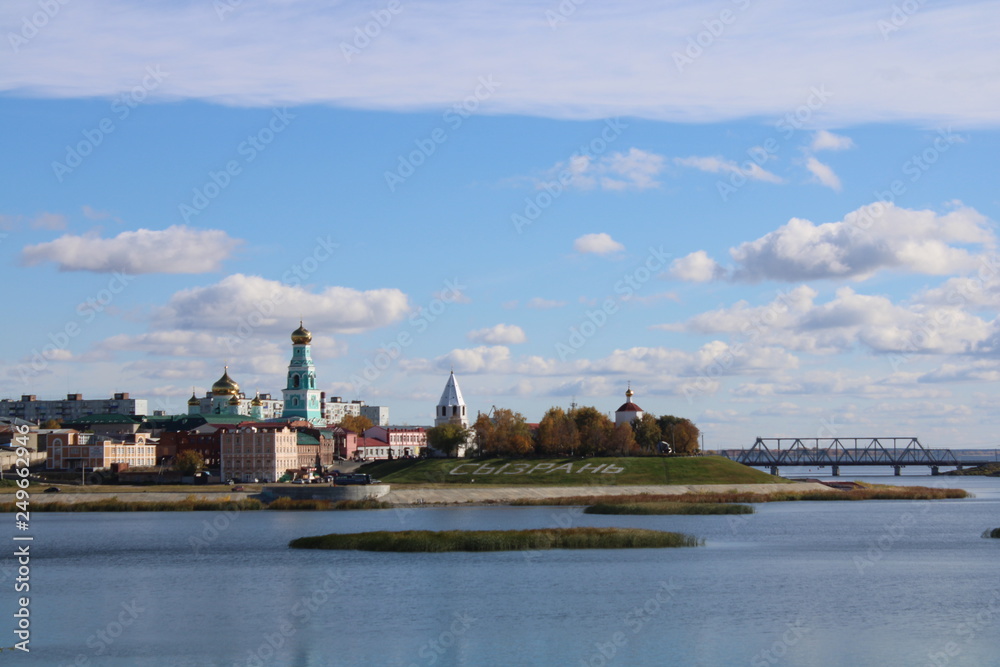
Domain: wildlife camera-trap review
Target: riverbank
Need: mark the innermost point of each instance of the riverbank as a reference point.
(505, 495)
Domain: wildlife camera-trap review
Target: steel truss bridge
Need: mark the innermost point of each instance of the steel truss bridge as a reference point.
(897, 452)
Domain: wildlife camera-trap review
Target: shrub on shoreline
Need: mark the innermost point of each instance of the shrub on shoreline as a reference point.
(194, 504)
(865, 493)
(498, 540)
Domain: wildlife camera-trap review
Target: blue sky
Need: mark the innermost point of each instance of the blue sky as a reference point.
(773, 219)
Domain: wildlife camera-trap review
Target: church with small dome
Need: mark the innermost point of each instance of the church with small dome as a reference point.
(629, 411)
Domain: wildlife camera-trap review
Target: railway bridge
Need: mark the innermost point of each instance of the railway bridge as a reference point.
(898, 452)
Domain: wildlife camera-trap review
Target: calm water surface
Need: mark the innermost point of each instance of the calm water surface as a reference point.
(804, 583)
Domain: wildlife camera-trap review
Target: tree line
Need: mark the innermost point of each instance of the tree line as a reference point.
(583, 431)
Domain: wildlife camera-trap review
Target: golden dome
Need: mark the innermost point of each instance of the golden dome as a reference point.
(225, 385)
(301, 336)
(193, 400)
(256, 402)
(235, 400)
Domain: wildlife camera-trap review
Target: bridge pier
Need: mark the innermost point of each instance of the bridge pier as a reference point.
(774, 470)
(835, 471)
(897, 470)
(935, 471)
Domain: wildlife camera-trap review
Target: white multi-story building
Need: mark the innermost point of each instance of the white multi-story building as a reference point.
(72, 450)
(258, 451)
(74, 406)
(335, 409)
(383, 442)
(377, 414)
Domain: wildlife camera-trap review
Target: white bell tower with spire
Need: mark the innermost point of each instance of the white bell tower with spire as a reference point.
(451, 407)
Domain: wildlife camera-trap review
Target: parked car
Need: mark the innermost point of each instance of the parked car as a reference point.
(239, 488)
(53, 489)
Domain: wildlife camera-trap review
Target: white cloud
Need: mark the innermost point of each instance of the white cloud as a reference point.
(850, 320)
(717, 165)
(272, 54)
(177, 249)
(634, 170)
(501, 334)
(49, 221)
(697, 267)
(828, 141)
(482, 359)
(538, 303)
(261, 305)
(871, 239)
(598, 244)
(823, 174)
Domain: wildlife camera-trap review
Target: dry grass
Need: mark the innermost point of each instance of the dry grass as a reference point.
(498, 540)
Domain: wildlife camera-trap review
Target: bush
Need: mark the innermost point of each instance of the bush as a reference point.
(498, 540)
(668, 508)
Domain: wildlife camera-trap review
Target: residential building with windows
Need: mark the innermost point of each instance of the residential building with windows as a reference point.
(75, 406)
(262, 451)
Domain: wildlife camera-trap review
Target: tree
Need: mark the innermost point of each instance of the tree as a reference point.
(483, 428)
(447, 438)
(505, 434)
(189, 462)
(595, 430)
(681, 433)
(622, 441)
(51, 423)
(356, 423)
(557, 434)
(647, 432)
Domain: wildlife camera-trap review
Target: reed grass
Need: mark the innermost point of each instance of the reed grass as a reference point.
(284, 503)
(196, 504)
(498, 540)
(668, 508)
(189, 504)
(872, 492)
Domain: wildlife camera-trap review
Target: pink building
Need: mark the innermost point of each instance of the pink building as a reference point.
(397, 442)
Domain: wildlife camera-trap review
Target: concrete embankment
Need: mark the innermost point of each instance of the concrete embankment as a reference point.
(418, 496)
(421, 496)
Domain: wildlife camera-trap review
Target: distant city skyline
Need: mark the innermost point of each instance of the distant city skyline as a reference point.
(775, 220)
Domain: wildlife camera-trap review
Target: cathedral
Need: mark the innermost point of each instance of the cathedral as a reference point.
(301, 400)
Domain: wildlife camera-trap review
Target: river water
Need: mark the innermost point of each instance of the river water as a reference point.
(799, 583)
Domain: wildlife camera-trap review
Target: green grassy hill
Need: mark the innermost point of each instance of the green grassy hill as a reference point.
(611, 471)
